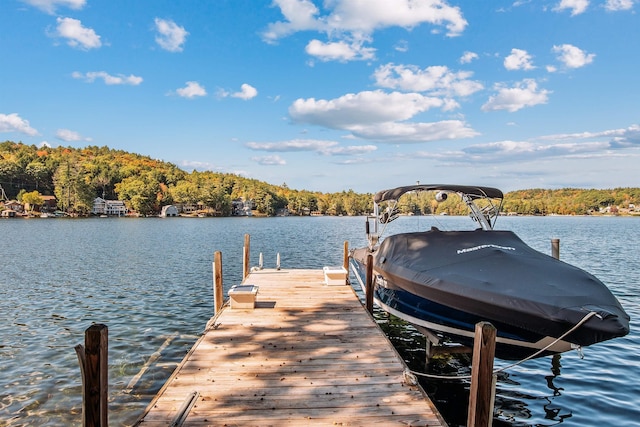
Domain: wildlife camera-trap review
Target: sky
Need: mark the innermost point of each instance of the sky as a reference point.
(335, 95)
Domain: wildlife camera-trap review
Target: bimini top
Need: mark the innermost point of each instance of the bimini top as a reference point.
(473, 191)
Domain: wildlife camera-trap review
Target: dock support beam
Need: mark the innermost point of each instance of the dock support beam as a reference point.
(218, 295)
(345, 261)
(369, 284)
(555, 248)
(93, 358)
(245, 256)
(482, 378)
(345, 257)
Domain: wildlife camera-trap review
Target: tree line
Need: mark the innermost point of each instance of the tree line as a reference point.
(76, 176)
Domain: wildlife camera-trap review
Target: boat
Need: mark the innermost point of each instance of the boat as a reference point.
(445, 282)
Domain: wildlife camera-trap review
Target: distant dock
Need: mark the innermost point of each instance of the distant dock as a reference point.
(308, 354)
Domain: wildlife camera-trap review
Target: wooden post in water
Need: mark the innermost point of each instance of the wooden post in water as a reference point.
(481, 393)
(369, 284)
(94, 366)
(345, 261)
(345, 258)
(245, 256)
(218, 297)
(555, 248)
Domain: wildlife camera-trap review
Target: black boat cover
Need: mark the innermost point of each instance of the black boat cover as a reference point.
(495, 275)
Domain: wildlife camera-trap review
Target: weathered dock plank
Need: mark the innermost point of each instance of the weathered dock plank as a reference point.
(308, 354)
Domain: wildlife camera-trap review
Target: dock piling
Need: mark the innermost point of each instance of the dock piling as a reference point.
(246, 250)
(218, 295)
(369, 284)
(555, 248)
(482, 378)
(93, 358)
(345, 257)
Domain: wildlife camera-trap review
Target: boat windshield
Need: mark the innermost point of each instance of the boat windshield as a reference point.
(482, 204)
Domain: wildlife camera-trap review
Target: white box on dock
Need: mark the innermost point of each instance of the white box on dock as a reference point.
(335, 276)
(243, 296)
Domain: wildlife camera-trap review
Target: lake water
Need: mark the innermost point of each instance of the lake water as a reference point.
(150, 281)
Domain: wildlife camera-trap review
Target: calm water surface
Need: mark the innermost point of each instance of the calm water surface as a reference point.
(150, 281)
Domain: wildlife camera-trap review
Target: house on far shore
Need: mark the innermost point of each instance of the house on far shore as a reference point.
(15, 206)
(8, 213)
(49, 204)
(168, 211)
(108, 207)
(242, 207)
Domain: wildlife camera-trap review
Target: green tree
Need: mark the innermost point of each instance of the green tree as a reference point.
(72, 188)
(38, 173)
(33, 199)
(140, 194)
(186, 192)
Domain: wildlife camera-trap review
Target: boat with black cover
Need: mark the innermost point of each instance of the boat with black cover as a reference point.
(445, 282)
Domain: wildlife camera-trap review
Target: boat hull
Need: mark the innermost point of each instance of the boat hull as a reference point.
(447, 282)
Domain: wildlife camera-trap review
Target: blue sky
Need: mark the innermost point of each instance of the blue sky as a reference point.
(337, 94)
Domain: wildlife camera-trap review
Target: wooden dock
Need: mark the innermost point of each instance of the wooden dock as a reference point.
(308, 354)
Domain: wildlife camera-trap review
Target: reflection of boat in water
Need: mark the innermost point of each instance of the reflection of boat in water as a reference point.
(447, 281)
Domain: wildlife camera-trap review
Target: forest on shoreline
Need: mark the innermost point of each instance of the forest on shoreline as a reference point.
(76, 176)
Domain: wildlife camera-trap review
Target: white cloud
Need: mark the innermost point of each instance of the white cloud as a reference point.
(376, 115)
(623, 138)
(350, 150)
(437, 80)
(293, 145)
(402, 46)
(77, 35)
(319, 146)
(339, 51)
(523, 94)
(269, 160)
(299, 16)
(467, 57)
(576, 6)
(503, 151)
(50, 6)
(573, 57)
(14, 123)
(201, 166)
(615, 5)
(171, 36)
(191, 90)
(361, 108)
(618, 138)
(108, 79)
(69, 135)
(368, 15)
(350, 23)
(518, 60)
(246, 92)
(44, 144)
(415, 132)
(577, 146)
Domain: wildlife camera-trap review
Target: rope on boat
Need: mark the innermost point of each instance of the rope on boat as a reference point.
(513, 365)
